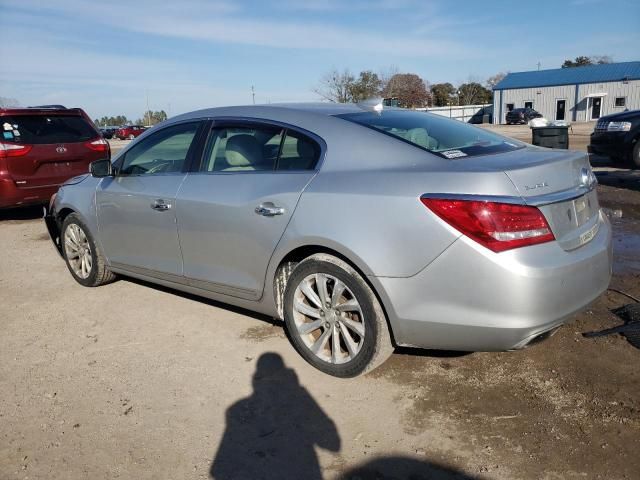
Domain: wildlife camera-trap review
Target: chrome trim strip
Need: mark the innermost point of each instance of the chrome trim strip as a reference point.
(476, 198)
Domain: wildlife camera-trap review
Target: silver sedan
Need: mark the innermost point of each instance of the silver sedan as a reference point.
(361, 228)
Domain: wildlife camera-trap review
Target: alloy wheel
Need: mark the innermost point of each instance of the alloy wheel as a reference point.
(328, 318)
(78, 251)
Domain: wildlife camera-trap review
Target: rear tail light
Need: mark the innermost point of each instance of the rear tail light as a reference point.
(497, 226)
(13, 150)
(98, 145)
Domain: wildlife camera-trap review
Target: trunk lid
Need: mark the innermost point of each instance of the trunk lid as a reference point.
(560, 183)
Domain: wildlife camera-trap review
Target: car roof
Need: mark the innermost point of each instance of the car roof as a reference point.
(40, 111)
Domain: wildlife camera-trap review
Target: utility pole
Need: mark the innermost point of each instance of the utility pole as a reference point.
(253, 94)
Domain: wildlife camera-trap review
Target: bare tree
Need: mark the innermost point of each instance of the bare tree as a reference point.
(6, 102)
(495, 79)
(336, 86)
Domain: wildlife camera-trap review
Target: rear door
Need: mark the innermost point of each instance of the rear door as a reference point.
(61, 146)
(136, 208)
(232, 212)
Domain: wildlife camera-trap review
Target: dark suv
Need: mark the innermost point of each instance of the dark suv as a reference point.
(521, 115)
(41, 148)
(617, 136)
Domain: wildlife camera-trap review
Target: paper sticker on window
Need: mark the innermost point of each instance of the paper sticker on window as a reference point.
(7, 135)
(7, 126)
(454, 154)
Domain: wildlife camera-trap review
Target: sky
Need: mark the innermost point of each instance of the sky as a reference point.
(110, 57)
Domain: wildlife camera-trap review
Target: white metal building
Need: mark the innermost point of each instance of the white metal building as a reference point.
(578, 94)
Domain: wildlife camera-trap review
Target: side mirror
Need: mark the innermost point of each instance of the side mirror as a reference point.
(101, 168)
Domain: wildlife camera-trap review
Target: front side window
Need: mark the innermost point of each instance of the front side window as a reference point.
(439, 135)
(163, 152)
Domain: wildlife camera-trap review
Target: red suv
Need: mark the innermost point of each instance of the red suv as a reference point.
(41, 148)
(130, 132)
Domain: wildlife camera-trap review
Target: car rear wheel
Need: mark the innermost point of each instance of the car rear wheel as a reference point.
(83, 257)
(131, 136)
(334, 319)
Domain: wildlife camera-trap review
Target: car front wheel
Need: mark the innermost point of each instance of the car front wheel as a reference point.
(635, 155)
(132, 136)
(83, 257)
(334, 319)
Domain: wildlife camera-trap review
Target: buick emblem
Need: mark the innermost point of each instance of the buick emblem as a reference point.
(587, 178)
(61, 149)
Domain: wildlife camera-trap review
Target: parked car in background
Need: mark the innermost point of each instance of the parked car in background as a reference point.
(362, 228)
(617, 136)
(42, 147)
(130, 132)
(521, 115)
(108, 132)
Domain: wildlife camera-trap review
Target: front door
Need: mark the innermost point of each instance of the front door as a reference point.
(136, 209)
(233, 211)
(560, 109)
(596, 106)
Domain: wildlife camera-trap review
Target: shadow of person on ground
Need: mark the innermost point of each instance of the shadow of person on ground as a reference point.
(273, 433)
(393, 468)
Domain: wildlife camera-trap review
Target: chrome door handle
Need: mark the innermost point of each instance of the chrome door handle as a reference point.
(160, 205)
(268, 209)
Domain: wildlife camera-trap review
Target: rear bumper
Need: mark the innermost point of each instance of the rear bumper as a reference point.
(472, 299)
(13, 196)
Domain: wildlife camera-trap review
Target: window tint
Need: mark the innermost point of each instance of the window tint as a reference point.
(298, 153)
(441, 136)
(163, 152)
(240, 149)
(42, 129)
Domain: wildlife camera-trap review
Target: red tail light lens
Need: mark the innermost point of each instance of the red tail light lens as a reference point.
(13, 150)
(497, 226)
(98, 145)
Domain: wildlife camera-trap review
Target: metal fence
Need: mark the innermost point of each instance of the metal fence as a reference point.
(464, 113)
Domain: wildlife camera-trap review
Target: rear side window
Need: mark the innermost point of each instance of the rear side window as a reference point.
(441, 136)
(298, 152)
(43, 129)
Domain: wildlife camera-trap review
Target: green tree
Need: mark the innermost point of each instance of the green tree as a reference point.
(151, 117)
(441, 94)
(409, 89)
(581, 61)
(473, 93)
(367, 85)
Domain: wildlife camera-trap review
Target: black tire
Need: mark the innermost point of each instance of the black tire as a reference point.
(131, 136)
(98, 274)
(635, 155)
(376, 345)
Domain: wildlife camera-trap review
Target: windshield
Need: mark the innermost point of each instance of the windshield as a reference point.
(439, 135)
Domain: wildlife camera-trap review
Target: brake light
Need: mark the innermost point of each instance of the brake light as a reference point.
(13, 150)
(497, 226)
(98, 145)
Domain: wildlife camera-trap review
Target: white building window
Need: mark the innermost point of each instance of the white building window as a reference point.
(620, 102)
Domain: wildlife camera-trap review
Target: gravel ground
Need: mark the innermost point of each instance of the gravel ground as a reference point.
(132, 381)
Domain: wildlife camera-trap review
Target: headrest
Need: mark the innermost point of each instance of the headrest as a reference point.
(242, 151)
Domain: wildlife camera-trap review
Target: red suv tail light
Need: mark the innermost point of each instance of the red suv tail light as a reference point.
(497, 226)
(99, 145)
(13, 150)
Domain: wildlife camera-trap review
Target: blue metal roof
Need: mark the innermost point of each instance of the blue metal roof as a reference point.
(608, 72)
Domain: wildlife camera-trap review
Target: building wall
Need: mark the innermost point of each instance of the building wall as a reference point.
(544, 99)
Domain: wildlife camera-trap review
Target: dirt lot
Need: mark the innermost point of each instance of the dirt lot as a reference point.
(134, 381)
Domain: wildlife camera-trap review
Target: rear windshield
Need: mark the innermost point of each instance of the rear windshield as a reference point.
(441, 136)
(41, 129)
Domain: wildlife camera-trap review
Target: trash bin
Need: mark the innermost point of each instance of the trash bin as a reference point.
(485, 118)
(550, 137)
